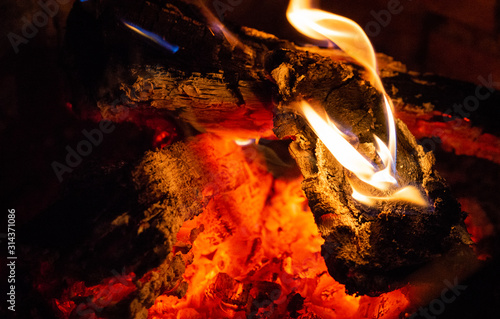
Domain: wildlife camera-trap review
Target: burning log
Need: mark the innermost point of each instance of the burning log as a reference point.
(208, 78)
(370, 249)
(128, 250)
(226, 81)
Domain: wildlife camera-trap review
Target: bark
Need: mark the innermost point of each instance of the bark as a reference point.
(229, 82)
(122, 220)
(370, 249)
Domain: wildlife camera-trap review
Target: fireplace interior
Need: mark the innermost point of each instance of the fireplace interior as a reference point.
(165, 160)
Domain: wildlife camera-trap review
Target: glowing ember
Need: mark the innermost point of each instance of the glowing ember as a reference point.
(108, 293)
(349, 36)
(259, 256)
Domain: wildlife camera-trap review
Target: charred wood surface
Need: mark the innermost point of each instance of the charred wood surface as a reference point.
(110, 222)
(123, 219)
(368, 248)
(229, 82)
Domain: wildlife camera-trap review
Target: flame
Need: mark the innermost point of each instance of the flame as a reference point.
(152, 36)
(245, 142)
(215, 24)
(350, 37)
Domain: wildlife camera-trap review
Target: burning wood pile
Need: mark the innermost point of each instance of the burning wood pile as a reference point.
(278, 183)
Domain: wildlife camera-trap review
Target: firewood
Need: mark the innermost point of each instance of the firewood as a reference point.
(122, 219)
(227, 81)
(370, 249)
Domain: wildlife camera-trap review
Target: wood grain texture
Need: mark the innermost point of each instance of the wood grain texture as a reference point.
(233, 81)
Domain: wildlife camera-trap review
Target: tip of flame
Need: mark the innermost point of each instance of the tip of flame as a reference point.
(152, 36)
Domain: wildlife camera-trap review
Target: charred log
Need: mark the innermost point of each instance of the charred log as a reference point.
(367, 248)
(228, 83)
(225, 81)
(120, 225)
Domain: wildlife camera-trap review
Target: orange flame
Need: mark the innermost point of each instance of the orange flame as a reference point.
(350, 37)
